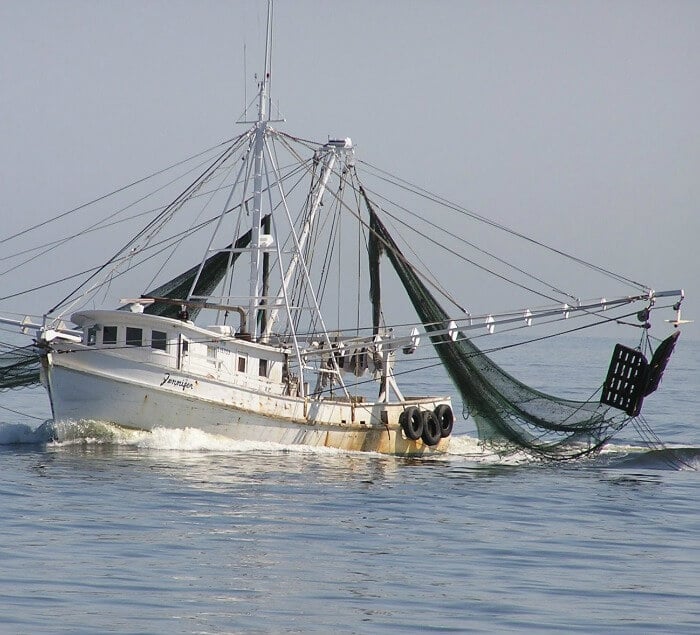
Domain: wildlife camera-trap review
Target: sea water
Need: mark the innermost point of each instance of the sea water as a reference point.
(182, 532)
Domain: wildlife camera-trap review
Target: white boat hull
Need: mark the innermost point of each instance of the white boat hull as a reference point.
(95, 388)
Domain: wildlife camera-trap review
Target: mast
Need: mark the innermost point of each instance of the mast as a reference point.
(261, 130)
(300, 240)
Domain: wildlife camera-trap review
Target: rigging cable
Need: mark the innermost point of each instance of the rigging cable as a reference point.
(99, 225)
(117, 191)
(390, 178)
(192, 224)
(464, 241)
(152, 226)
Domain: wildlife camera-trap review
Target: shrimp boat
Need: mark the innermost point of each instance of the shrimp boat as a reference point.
(264, 339)
(279, 373)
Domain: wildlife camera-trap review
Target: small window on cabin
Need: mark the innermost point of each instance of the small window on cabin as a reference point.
(242, 363)
(211, 353)
(134, 336)
(92, 336)
(159, 340)
(262, 370)
(109, 335)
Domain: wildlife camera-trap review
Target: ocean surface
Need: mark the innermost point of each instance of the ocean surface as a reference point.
(181, 532)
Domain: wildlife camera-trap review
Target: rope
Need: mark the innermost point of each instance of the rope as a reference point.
(654, 442)
(22, 414)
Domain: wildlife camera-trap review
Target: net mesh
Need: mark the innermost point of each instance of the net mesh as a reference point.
(210, 276)
(19, 366)
(505, 410)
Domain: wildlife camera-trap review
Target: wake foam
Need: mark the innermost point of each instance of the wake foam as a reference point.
(462, 448)
(84, 433)
(170, 439)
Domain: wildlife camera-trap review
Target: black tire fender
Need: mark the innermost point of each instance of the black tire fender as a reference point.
(431, 428)
(412, 423)
(445, 418)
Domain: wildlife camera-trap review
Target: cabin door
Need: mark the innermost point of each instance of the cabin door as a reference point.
(183, 352)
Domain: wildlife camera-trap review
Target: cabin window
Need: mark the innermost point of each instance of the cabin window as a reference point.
(134, 336)
(262, 369)
(159, 340)
(92, 336)
(211, 353)
(242, 363)
(109, 335)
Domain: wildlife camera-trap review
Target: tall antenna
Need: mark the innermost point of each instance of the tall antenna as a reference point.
(264, 105)
(245, 83)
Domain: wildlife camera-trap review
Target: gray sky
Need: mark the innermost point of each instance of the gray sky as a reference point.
(575, 122)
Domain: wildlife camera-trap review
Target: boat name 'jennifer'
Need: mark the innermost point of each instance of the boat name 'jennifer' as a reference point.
(178, 382)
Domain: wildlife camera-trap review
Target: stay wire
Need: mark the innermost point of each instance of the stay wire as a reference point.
(498, 259)
(179, 200)
(97, 226)
(390, 178)
(123, 188)
(167, 242)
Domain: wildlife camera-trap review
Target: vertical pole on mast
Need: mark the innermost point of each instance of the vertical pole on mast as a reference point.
(260, 134)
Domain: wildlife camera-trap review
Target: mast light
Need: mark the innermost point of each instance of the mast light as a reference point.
(345, 144)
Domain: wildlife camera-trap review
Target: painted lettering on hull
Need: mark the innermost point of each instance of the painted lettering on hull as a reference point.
(176, 382)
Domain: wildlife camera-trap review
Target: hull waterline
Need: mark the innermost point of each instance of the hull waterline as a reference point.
(78, 395)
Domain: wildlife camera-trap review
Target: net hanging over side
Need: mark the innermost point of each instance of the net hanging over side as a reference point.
(19, 367)
(211, 274)
(505, 410)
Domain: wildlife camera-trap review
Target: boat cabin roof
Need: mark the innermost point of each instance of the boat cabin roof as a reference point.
(87, 319)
